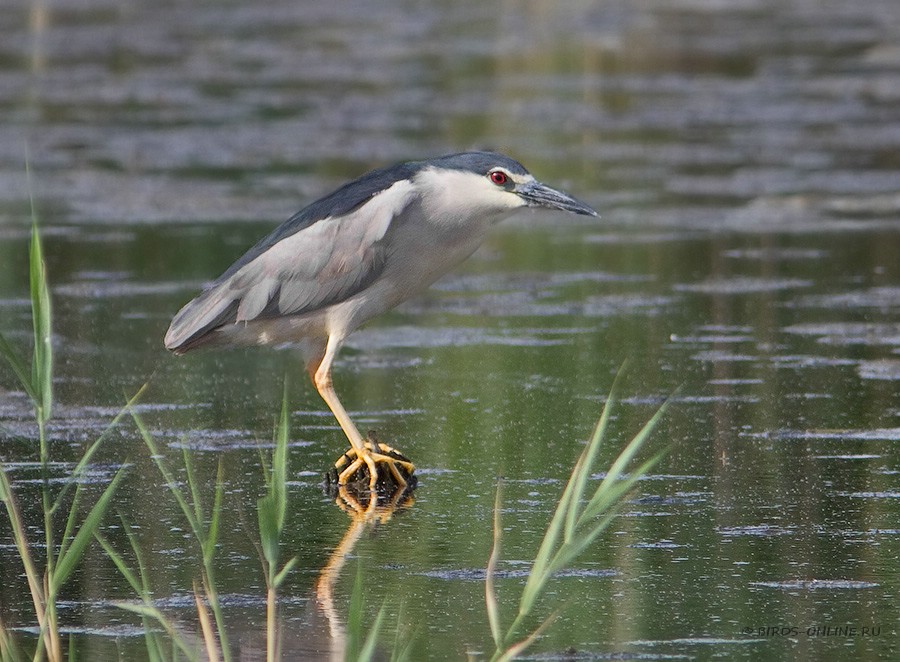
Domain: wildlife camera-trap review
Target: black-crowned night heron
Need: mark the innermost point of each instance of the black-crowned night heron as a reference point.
(354, 254)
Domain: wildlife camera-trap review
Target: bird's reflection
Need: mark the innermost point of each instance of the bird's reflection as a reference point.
(367, 509)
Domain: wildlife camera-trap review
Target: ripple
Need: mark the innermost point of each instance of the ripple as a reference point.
(875, 434)
(722, 356)
(849, 333)
(662, 544)
(857, 456)
(817, 584)
(433, 337)
(773, 254)
(878, 298)
(871, 495)
(480, 574)
(743, 285)
(761, 530)
(887, 369)
(96, 289)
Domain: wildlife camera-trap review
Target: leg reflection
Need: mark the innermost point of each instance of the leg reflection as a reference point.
(367, 509)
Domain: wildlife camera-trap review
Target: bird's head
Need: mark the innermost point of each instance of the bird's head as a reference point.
(490, 184)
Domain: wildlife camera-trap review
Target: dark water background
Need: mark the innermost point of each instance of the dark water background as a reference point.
(745, 159)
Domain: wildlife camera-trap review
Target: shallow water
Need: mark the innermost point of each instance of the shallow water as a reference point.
(743, 157)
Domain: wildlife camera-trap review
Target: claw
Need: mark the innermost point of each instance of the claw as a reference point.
(377, 462)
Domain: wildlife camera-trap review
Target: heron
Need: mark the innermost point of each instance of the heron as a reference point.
(352, 255)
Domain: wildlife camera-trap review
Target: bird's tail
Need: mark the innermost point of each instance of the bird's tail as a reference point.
(195, 323)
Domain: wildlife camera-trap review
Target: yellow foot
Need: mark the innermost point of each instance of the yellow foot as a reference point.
(377, 464)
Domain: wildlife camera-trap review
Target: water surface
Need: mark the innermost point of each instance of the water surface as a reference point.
(743, 157)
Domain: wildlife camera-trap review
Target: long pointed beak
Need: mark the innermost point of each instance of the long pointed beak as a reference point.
(536, 194)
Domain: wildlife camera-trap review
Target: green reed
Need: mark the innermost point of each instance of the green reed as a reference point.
(63, 550)
(575, 525)
(271, 510)
(204, 523)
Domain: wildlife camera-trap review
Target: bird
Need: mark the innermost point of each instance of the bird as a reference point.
(352, 255)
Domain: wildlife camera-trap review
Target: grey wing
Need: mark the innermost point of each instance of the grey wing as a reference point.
(323, 264)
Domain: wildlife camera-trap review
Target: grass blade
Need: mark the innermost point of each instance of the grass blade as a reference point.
(153, 613)
(212, 534)
(285, 571)
(197, 527)
(404, 638)
(618, 466)
(42, 363)
(17, 524)
(120, 563)
(355, 615)
(18, 367)
(272, 508)
(71, 522)
(517, 649)
(367, 652)
(280, 462)
(72, 555)
(85, 460)
(490, 593)
(141, 585)
(193, 489)
(206, 626)
(578, 525)
(167, 475)
(582, 471)
(555, 528)
(566, 510)
(613, 493)
(9, 649)
(268, 529)
(564, 519)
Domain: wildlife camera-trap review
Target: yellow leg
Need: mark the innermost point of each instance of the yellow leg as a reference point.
(362, 452)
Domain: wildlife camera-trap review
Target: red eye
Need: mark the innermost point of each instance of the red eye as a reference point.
(499, 177)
